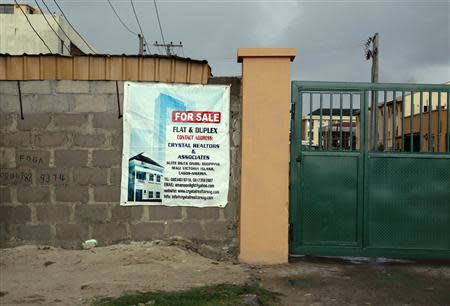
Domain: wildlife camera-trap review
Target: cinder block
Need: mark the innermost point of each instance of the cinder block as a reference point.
(117, 140)
(235, 123)
(235, 104)
(51, 139)
(68, 158)
(236, 138)
(8, 88)
(7, 121)
(110, 233)
(5, 195)
(96, 140)
(206, 213)
(72, 232)
(16, 139)
(90, 103)
(116, 176)
(52, 176)
(15, 214)
(106, 158)
(9, 104)
(72, 194)
(69, 86)
(107, 194)
(87, 213)
(36, 87)
(106, 87)
(32, 158)
(35, 233)
(7, 157)
(90, 176)
(188, 230)
(5, 233)
(127, 213)
(52, 213)
(235, 83)
(160, 212)
(40, 194)
(107, 121)
(220, 230)
(231, 211)
(112, 104)
(147, 231)
(70, 120)
(235, 156)
(48, 103)
(16, 177)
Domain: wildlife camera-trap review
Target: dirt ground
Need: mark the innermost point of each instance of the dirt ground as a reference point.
(31, 275)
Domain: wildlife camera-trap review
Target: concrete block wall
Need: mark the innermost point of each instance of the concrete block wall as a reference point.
(61, 169)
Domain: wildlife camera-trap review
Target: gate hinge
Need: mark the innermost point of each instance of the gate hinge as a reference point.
(292, 111)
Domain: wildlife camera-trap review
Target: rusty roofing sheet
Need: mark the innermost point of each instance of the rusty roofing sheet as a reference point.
(157, 68)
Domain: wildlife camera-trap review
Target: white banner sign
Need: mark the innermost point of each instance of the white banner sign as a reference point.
(175, 145)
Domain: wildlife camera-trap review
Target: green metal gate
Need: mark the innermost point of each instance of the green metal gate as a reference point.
(370, 183)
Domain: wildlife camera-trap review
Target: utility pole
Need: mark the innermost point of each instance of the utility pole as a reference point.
(168, 47)
(372, 53)
(141, 44)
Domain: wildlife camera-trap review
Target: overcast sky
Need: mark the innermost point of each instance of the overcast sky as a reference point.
(328, 35)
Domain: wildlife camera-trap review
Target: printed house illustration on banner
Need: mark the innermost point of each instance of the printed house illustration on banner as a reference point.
(145, 177)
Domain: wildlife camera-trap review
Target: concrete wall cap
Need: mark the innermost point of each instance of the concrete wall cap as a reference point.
(266, 52)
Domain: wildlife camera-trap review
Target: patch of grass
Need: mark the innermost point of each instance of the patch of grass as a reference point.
(223, 294)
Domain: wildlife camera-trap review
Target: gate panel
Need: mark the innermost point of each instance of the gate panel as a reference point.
(370, 170)
(329, 199)
(408, 202)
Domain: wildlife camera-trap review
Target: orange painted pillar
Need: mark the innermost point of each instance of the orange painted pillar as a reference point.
(266, 96)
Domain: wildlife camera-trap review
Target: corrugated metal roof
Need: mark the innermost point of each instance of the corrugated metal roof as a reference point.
(158, 68)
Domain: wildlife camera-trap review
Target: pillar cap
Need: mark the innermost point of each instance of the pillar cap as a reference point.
(266, 52)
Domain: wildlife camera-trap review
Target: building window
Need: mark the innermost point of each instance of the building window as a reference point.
(7, 9)
(145, 191)
(150, 194)
(140, 175)
(138, 194)
(158, 178)
(150, 178)
(158, 194)
(425, 108)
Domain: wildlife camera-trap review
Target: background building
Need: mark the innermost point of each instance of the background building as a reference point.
(18, 37)
(394, 138)
(144, 179)
(329, 125)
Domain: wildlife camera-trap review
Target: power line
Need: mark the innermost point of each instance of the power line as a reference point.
(120, 19)
(62, 41)
(73, 27)
(159, 22)
(168, 47)
(139, 24)
(32, 26)
(60, 27)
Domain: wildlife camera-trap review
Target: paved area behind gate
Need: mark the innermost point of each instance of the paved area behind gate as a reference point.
(329, 281)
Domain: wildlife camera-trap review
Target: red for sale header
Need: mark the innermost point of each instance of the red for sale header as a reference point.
(195, 117)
